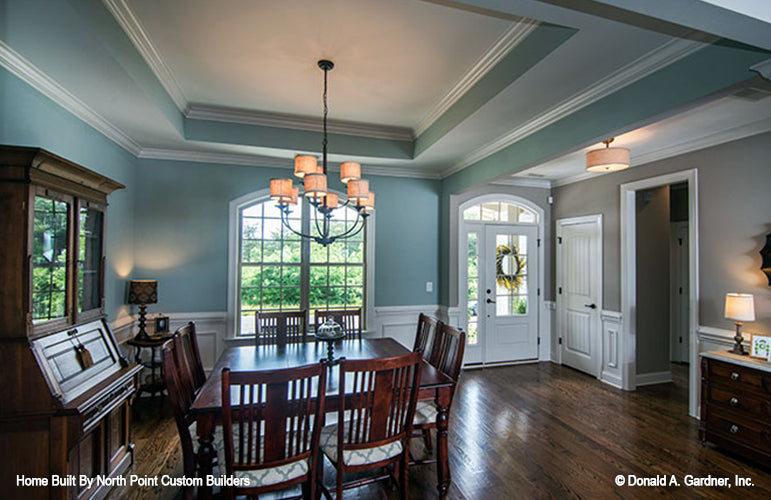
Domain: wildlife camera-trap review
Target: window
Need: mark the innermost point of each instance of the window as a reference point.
(499, 212)
(279, 271)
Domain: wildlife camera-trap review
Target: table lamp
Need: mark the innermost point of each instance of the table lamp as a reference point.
(739, 307)
(143, 292)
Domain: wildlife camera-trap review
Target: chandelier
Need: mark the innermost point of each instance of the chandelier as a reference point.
(314, 178)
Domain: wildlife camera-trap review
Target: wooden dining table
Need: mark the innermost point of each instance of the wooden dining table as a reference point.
(207, 407)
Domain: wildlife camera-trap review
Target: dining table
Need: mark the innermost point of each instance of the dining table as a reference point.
(207, 407)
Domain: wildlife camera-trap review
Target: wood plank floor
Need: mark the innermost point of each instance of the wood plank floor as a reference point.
(530, 431)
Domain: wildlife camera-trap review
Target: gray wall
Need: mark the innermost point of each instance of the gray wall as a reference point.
(652, 280)
(734, 218)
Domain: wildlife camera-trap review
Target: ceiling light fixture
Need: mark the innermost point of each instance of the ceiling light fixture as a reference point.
(607, 159)
(315, 190)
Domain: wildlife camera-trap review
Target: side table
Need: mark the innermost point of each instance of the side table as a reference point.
(152, 383)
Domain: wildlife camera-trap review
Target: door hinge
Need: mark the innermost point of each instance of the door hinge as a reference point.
(539, 292)
(559, 341)
(539, 340)
(681, 290)
(559, 290)
(538, 242)
(559, 240)
(681, 339)
(680, 241)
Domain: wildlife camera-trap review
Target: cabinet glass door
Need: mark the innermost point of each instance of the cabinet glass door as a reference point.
(49, 259)
(89, 257)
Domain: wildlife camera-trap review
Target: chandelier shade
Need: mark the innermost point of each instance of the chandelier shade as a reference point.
(607, 159)
(315, 190)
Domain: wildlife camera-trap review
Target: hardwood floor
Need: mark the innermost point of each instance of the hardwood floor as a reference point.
(531, 431)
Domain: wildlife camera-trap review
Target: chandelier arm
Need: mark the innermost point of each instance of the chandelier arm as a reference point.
(351, 232)
(286, 224)
(316, 221)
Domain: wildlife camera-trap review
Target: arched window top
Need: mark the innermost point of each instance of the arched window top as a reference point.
(500, 211)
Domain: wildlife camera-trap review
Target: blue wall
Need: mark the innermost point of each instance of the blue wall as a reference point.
(181, 232)
(28, 118)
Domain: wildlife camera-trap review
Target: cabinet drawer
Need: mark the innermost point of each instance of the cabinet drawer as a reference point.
(737, 429)
(748, 403)
(739, 377)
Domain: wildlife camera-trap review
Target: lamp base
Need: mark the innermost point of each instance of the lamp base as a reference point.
(738, 348)
(142, 335)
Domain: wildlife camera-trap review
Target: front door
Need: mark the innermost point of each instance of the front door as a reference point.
(502, 294)
(578, 292)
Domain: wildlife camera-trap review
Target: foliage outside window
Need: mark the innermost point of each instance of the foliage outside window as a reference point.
(49, 259)
(279, 271)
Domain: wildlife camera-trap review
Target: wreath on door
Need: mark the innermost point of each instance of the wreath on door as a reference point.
(510, 281)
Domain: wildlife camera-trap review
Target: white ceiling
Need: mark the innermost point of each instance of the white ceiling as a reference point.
(401, 65)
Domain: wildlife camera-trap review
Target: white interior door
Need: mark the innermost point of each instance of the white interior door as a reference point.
(505, 328)
(679, 293)
(579, 288)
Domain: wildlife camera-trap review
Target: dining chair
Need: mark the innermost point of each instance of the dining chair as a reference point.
(379, 406)
(348, 319)
(449, 347)
(271, 424)
(181, 397)
(424, 337)
(192, 354)
(281, 328)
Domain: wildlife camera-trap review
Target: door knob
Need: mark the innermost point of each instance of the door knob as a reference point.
(490, 301)
(591, 306)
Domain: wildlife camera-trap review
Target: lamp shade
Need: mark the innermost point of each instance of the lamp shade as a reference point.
(143, 292)
(331, 200)
(281, 189)
(304, 165)
(358, 189)
(349, 171)
(740, 306)
(607, 159)
(315, 185)
(368, 203)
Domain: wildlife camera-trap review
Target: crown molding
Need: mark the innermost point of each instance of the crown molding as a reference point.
(643, 66)
(733, 134)
(763, 69)
(141, 40)
(524, 182)
(212, 157)
(296, 122)
(34, 77)
(505, 44)
(269, 162)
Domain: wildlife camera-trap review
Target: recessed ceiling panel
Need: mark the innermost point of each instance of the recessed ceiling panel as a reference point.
(393, 59)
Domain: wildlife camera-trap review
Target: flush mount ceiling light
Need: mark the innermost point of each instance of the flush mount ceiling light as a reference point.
(607, 159)
(314, 178)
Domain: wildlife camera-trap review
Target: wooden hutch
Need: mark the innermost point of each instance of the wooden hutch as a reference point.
(65, 387)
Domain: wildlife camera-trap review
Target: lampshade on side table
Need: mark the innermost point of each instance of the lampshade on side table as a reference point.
(143, 292)
(739, 307)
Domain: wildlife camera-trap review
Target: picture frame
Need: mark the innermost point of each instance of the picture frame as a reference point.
(760, 346)
(161, 324)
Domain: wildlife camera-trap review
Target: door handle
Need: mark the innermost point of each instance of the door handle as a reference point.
(591, 306)
(490, 301)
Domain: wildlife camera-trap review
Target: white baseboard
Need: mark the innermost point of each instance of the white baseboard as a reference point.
(613, 380)
(653, 378)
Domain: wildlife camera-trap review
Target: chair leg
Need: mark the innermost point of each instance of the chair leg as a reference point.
(405, 483)
(427, 440)
(339, 493)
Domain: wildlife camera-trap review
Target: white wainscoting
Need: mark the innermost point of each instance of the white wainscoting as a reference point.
(401, 322)
(718, 339)
(549, 348)
(612, 326)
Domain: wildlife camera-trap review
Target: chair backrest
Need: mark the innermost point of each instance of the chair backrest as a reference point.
(181, 399)
(348, 319)
(281, 328)
(381, 402)
(272, 417)
(192, 354)
(448, 350)
(425, 335)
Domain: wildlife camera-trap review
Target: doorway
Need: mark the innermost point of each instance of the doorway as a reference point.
(629, 278)
(499, 277)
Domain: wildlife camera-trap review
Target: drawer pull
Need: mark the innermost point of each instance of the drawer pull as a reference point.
(733, 402)
(734, 429)
(734, 376)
